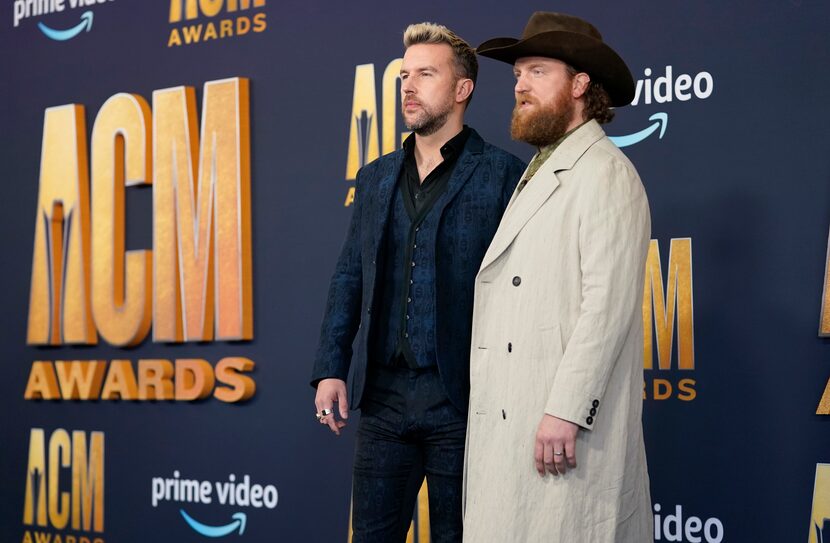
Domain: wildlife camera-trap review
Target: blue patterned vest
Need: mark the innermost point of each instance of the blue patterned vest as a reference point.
(407, 306)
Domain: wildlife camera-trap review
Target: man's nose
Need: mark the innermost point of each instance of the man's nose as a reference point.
(521, 85)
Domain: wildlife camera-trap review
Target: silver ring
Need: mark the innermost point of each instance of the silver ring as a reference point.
(326, 412)
(558, 454)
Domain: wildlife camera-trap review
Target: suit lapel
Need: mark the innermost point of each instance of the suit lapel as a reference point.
(386, 185)
(467, 162)
(544, 183)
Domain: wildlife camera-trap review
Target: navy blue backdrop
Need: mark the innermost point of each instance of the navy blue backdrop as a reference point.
(741, 169)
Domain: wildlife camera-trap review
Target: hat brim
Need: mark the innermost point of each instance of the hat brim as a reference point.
(580, 51)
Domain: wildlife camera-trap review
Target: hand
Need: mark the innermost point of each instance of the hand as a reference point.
(329, 392)
(555, 435)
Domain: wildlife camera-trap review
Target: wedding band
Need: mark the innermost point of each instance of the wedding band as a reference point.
(558, 454)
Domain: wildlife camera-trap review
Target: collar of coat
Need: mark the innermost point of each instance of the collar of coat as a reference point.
(536, 193)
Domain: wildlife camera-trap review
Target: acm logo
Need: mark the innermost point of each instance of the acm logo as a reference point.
(194, 284)
(54, 501)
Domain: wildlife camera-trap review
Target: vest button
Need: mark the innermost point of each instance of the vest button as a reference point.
(517, 281)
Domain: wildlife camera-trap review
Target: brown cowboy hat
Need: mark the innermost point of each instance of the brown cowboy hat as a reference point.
(571, 40)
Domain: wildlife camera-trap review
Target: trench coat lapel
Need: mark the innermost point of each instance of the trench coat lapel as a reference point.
(524, 205)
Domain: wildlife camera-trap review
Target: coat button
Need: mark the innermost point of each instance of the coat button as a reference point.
(509, 347)
(593, 409)
(596, 403)
(589, 420)
(517, 281)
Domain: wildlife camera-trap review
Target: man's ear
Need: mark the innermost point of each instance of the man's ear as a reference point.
(580, 84)
(463, 90)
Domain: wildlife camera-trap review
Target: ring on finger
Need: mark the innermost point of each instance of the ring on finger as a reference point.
(558, 454)
(326, 412)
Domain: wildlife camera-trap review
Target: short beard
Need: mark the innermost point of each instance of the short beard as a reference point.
(429, 121)
(544, 126)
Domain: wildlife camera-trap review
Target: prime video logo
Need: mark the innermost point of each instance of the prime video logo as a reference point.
(235, 493)
(26, 9)
(663, 89)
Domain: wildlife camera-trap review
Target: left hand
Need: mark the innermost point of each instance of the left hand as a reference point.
(555, 435)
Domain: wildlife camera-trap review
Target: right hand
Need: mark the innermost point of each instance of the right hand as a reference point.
(329, 392)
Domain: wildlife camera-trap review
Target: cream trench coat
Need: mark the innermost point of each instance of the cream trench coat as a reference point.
(558, 329)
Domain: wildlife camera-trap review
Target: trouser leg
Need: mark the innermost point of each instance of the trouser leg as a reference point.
(443, 449)
(388, 468)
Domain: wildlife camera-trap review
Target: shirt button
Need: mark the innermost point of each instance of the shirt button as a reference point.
(413, 263)
(517, 281)
(411, 281)
(409, 300)
(407, 318)
(405, 334)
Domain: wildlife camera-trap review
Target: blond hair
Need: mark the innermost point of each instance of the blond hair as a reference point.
(464, 56)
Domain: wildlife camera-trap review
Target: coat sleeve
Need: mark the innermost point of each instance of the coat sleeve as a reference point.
(614, 232)
(342, 314)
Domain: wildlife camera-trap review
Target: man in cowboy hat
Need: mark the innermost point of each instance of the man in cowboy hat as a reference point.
(402, 292)
(555, 443)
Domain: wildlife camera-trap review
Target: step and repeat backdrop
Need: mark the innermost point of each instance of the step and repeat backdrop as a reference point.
(177, 180)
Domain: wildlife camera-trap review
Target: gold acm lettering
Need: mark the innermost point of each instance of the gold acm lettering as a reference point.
(201, 215)
(121, 280)
(59, 307)
(662, 306)
(83, 503)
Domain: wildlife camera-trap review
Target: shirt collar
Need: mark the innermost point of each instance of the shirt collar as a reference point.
(451, 148)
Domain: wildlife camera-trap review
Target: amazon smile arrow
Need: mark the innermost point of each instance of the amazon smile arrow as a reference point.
(661, 120)
(68, 34)
(216, 531)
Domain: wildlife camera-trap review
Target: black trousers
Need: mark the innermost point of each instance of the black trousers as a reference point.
(408, 429)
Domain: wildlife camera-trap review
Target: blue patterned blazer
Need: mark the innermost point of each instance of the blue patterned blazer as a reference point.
(470, 209)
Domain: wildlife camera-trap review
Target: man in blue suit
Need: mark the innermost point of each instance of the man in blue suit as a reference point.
(402, 293)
